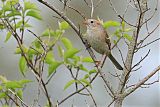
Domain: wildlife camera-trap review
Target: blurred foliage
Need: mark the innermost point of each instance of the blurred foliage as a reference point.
(10, 88)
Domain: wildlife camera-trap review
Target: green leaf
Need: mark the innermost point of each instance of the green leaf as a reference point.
(69, 84)
(111, 24)
(28, 5)
(87, 59)
(58, 32)
(60, 51)
(3, 79)
(114, 41)
(16, 84)
(123, 25)
(37, 43)
(7, 7)
(32, 52)
(1, 88)
(8, 36)
(127, 36)
(5, 105)
(86, 76)
(118, 33)
(13, 84)
(70, 53)
(92, 71)
(20, 24)
(13, 13)
(128, 30)
(3, 95)
(20, 94)
(81, 67)
(67, 43)
(53, 66)
(24, 48)
(1, 26)
(24, 81)
(49, 32)
(49, 57)
(76, 59)
(86, 82)
(34, 14)
(18, 51)
(63, 25)
(22, 65)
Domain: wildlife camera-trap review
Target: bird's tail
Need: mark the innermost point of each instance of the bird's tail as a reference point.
(114, 61)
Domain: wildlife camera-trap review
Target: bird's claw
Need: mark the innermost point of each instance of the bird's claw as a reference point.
(97, 63)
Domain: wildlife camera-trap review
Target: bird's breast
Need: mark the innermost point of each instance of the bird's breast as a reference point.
(97, 42)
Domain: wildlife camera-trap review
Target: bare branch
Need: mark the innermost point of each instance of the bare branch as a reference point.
(113, 8)
(81, 14)
(149, 43)
(125, 21)
(141, 41)
(111, 103)
(50, 78)
(18, 98)
(92, 8)
(129, 91)
(141, 59)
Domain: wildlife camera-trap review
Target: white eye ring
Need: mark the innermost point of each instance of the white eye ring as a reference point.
(91, 21)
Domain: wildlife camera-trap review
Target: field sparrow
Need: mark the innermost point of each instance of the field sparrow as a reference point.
(99, 40)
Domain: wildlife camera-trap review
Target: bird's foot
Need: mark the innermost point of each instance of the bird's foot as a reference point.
(88, 46)
(98, 63)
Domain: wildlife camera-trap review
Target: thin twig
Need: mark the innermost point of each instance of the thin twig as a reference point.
(125, 21)
(92, 8)
(18, 98)
(113, 8)
(111, 103)
(129, 91)
(141, 59)
(149, 43)
(50, 77)
(141, 41)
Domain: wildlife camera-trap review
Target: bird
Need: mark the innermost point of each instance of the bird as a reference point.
(99, 40)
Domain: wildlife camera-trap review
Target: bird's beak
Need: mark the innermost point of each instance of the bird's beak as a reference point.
(85, 22)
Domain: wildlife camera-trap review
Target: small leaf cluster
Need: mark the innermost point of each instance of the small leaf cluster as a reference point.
(11, 88)
(120, 30)
(18, 15)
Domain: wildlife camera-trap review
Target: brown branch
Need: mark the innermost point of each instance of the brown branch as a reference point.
(113, 8)
(23, 103)
(141, 60)
(129, 91)
(149, 43)
(81, 14)
(125, 21)
(141, 41)
(15, 102)
(111, 103)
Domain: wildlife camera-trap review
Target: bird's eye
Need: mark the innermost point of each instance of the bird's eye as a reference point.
(92, 21)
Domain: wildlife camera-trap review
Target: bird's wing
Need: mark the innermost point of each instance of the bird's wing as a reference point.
(107, 39)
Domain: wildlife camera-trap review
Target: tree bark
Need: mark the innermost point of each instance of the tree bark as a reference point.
(118, 103)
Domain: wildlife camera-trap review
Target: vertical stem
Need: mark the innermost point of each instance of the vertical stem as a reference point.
(118, 103)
